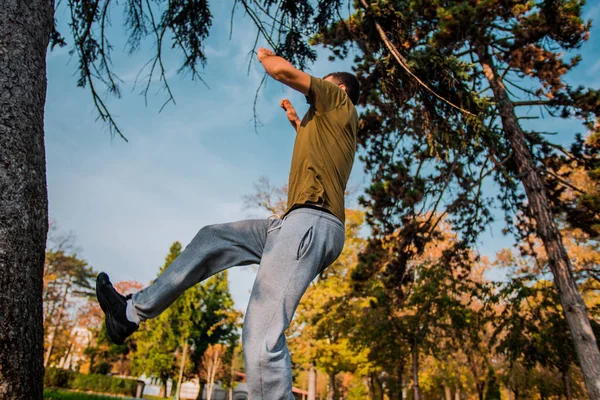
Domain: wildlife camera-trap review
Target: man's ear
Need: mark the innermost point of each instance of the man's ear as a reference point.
(344, 88)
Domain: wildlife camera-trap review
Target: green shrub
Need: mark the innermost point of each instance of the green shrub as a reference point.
(58, 377)
(102, 368)
(54, 394)
(104, 384)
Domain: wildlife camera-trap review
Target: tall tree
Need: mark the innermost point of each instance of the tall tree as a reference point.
(213, 367)
(211, 320)
(203, 313)
(159, 362)
(67, 278)
(24, 35)
(443, 83)
(532, 329)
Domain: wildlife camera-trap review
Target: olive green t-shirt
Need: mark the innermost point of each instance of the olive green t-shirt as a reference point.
(324, 149)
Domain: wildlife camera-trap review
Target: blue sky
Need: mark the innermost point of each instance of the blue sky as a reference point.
(191, 164)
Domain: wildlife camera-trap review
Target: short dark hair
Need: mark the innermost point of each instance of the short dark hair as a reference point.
(350, 81)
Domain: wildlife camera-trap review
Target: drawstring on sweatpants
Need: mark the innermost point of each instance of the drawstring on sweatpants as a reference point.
(276, 216)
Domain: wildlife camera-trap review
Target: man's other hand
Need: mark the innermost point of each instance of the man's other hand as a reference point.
(290, 112)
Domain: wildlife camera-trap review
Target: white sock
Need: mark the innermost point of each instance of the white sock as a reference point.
(131, 314)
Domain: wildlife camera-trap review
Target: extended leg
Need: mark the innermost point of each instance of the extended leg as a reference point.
(214, 249)
(307, 241)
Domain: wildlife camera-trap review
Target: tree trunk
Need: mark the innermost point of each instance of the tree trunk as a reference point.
(457, 393)
(200, 384)
(332, 394)
(65, 362)
(367, 383)
(376, 387)
(573, 305)
(415, 369)
(56, 326)
(312, 383)
(401, 379)
(480, 390)
(567, 383)
(49, 311)
(448, 392)
(25, 28)
(163, 389)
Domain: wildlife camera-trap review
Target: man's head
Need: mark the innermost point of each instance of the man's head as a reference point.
(346, 81)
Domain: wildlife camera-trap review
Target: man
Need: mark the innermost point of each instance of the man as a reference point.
(291, 250)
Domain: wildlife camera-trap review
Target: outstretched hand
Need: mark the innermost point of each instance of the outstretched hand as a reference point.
(262, 53)
(290, 112)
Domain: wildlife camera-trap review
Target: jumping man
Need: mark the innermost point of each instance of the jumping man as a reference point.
(291, 250)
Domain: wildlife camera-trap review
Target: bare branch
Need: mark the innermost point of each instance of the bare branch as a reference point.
(528, 103)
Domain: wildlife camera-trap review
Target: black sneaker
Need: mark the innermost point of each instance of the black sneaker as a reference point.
(114, 306)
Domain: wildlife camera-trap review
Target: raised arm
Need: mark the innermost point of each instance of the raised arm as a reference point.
(281, 70)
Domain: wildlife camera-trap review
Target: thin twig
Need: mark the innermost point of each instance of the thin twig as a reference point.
(158, 59)
(256, 120)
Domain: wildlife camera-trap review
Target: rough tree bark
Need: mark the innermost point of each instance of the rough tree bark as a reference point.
(25, 28)
(572, 303)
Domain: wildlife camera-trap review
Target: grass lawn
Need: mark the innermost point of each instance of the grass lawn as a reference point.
(58, 394)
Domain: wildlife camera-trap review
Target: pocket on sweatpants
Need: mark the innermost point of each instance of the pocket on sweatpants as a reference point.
(305, 243)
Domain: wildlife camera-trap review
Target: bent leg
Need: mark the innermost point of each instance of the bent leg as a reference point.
(213, 249)
(307, 242)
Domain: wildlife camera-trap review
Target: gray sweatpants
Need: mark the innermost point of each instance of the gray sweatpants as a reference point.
(291, 252)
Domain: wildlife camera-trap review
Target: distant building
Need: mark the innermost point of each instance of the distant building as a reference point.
(189, 390)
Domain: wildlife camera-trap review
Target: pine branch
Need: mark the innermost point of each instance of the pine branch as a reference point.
(404, 64)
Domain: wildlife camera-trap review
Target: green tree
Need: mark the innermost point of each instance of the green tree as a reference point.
(432, 142)
(424, 306)
(532, 329)
(159, 362)
(204, 313)
(212, 319)
(67, 279)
